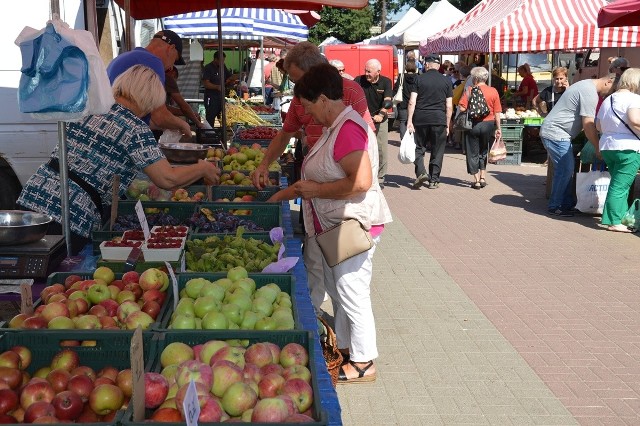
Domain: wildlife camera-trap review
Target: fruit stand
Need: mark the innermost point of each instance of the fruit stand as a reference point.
(84, 322)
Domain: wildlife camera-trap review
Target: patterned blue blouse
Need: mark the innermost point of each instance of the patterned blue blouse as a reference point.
(98, 148)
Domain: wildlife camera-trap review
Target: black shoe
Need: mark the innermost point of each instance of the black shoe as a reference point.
(433, 185)
(420, 180)
(560, 212)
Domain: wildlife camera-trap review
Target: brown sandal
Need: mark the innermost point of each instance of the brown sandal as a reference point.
(343, 379)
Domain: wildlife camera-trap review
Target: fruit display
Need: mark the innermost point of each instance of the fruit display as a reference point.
(143, 190)
(221, 253)
(61, 391)
(206, 221)
(238, 113)
(235, 301)
(126, 222)
(258, 132)
(102, 301)
(263, 382)
(263, 109)
(182, 194)
(165, 243)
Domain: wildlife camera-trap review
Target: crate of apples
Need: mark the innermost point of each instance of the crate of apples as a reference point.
(99, 301)
(61, 377)
(256, 378)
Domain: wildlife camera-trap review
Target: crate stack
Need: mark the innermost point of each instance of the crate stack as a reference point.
(100, 348)
(512, 136)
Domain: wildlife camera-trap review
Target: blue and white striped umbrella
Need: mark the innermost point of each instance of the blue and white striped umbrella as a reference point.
(238, 23)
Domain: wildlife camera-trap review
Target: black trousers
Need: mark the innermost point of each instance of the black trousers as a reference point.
(478, 140)
(436, 136)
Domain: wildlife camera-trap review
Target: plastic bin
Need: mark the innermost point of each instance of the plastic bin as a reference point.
(286, 282)
(281, 338)
(512, 132)
(512, 159)
(513, 146)
(533, 121)
(231, 191)
(265, 215)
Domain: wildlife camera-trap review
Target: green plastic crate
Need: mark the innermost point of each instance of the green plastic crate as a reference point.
(116, 266)
(59, 277)
(512, 132)
(111, 348)
(261, 142)
(255, 235)
(281, 338)
(533, 121)
(513, 146)
(286, 282)
(180, 210)
(512, 159)
(265, 215)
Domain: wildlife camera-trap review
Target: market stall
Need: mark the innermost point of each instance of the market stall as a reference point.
(408, 19)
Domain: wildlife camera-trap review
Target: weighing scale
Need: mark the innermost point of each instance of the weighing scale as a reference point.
(32, 260)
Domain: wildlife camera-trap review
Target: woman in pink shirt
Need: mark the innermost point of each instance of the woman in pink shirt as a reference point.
(338, 183)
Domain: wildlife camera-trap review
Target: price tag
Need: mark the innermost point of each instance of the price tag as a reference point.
(191, 406)
(174, 284)
(137, 373)
(26, 297)
(143, 220)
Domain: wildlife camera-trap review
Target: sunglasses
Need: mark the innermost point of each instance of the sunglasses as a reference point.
(341, 70)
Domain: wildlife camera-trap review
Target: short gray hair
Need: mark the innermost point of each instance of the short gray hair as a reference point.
(337, 63)
(479, 74)
(142, 86)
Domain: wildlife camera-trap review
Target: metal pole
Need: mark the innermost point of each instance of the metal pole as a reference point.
(92, 20)
(490, 67)
(129, 22)
(223, 89)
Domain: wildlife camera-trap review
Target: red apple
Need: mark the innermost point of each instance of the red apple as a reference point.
(152, 278)
(8, 400)
(88, 415)
(10, 359)
(270, 385)
(58, 297)
(135, 288)
(58, 379)
(130, 277)
(299, 418)
(293, 353)
(259, 354)
(166, 415)
(108, 323)
(36, 391)
(118, 283)
(297, 371)
(291, 405)
(211, 410)
(239, 398)
(152, 308)
(35, 322)
(225, 373)
(272, 368)
(71, 343)
(72, 306)
(68, 405)
(38, 409)
(155, 295)
(18, 321)
(270, 410)
(82, 304)
(46, 420)
(71, 279)
(11, 376)
(51, 290)
(81, 385)
(111, 306)
(156, 388)
(66, 359)
(85, 371)
(124, 380)
(105, 398)
(125, 309)
(98, 310)
(7, 419)
(300, 391)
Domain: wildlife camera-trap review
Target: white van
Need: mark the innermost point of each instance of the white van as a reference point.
(594, 63)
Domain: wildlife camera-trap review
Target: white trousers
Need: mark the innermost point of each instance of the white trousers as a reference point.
(349, 285)
(315, 272)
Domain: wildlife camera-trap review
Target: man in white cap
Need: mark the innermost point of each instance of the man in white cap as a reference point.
(429, 113)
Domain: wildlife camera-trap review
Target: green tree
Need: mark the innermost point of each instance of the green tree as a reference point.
(349, 26)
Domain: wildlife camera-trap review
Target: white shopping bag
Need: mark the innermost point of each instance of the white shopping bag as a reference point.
(407, 154)
(591, 191)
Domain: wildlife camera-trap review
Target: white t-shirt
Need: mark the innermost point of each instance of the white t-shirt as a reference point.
(615, 135)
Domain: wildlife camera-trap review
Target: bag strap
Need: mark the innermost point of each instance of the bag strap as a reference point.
(620, 118)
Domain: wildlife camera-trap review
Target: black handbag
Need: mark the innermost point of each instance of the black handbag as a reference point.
(462, 122)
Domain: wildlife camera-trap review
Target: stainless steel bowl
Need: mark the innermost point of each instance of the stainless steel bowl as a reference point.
(184, 152)
(22, 227)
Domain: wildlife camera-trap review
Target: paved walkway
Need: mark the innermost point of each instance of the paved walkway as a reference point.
(490, 312)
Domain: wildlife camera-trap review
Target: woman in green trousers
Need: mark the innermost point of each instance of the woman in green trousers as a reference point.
(619, 123)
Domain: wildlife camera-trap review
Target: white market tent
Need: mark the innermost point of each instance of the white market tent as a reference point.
(530, 26)
(405, 22)
(440, 15)
(330, 41)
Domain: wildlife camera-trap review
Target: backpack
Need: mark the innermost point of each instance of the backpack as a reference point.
(477, 105)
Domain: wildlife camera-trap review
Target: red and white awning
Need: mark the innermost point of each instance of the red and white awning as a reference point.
(529, 26)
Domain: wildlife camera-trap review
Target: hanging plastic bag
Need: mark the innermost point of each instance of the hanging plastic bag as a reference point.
(407, 154)
(498, 151)
(64, 77)
(632, 217)
(591, 190)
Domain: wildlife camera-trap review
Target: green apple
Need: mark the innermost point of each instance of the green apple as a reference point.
(183, 322)
(247, 284)
(194, 285)
(233, 313)
(215, 321)
(104, 273)
(205, 304)
(286, 303)
(61, 323)
(249, 320)
(213, 289)
(262, 305)
(98, 292)
(240, 298)
(236, 273)
(224, 283)
(185, 306)
(209, 348)
(267, 293)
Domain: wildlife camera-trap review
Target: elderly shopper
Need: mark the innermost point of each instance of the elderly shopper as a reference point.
(101, 146)
(484, 131)
(338, 183)
(619, 123)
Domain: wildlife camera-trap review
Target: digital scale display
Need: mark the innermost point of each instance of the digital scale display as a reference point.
(8, 261)
(32, 260)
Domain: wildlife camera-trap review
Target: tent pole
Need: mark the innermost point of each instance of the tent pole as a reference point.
(264, 99)
(223, 89)
(490, 67)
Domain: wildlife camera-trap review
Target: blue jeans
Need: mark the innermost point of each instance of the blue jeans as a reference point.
(561, 155)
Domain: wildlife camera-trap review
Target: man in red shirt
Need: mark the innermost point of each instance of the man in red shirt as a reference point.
(299, 60)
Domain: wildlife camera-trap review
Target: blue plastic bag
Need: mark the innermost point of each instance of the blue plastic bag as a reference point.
(55, 75)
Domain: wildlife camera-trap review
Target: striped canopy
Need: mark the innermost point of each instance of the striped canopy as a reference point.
(530, 26)
(238, 23)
